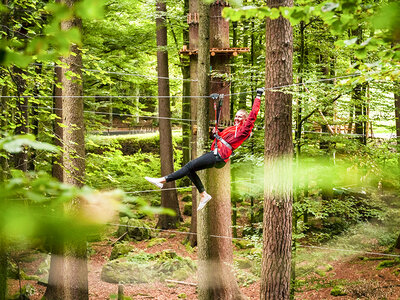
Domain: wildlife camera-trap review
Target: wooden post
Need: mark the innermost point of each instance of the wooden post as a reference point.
(120, 292)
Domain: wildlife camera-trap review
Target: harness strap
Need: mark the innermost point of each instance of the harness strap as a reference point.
(223, 142)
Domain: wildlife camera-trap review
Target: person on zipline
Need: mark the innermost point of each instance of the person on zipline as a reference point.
(221, 149)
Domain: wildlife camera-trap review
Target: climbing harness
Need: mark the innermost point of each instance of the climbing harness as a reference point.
(218, 99)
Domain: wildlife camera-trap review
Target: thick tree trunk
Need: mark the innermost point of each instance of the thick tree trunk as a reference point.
(217, 280)
(169, 197)
(75, 269)
(278, 195)
(193, 44)
(203, 216)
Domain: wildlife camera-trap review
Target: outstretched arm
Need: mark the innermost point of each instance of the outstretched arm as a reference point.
(249, 123)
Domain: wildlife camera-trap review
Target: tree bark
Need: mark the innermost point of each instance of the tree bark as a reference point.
(203, 221)
(35, 119)
(217, 280)
(21, 117)
(278, 194)
(55, 286)
(75, 269)
(397, 116)
(186, 93)
(169, 198)
(193, 44)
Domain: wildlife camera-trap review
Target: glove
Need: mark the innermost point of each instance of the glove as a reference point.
(260, 91)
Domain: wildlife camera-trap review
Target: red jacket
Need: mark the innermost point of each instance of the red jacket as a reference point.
(237, 134)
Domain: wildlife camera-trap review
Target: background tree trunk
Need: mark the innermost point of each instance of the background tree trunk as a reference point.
(397, 117)
(278, 194)
(55, 286)
(169, 198)
(186, 93)
(21, 116)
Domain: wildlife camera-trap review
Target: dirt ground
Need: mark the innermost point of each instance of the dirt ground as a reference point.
(359, 278)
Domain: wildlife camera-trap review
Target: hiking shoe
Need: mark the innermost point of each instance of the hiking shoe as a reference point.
(154, 181)
(204, 201)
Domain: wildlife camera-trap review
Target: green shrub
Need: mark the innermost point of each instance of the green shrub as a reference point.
(338, 290)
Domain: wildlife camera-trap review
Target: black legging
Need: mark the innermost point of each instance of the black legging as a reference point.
(206, 161)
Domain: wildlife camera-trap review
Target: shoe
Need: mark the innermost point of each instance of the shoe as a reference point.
(154, 181)
(204, 201)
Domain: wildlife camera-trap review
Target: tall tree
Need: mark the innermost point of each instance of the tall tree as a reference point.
(203, 68)
(169, 198)
(75, 279)
(278, 194)
(222, 282)
(193, 44)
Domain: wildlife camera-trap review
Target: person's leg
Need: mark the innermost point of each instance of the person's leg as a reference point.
(205, 161)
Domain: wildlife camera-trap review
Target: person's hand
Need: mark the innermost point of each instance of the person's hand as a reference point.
(214, 130)
(260, 91)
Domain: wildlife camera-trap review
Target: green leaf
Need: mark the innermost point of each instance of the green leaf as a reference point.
(361, 53)
(58, 11)
(275, 13)
(388, 17)
(16, 144)
(16, 58)
(90, 9)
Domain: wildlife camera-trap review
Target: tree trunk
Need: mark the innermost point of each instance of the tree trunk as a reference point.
(193, 44)
(217, 280)
(73, 143)
(21, 117)
(35, 120)
(169, 198)
(203, 216)
(4, 168)
(55, 287)
(186, 93)
(57, 170)
(397, 116)
(278, 194)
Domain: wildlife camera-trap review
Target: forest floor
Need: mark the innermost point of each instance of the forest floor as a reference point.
(353, 274)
